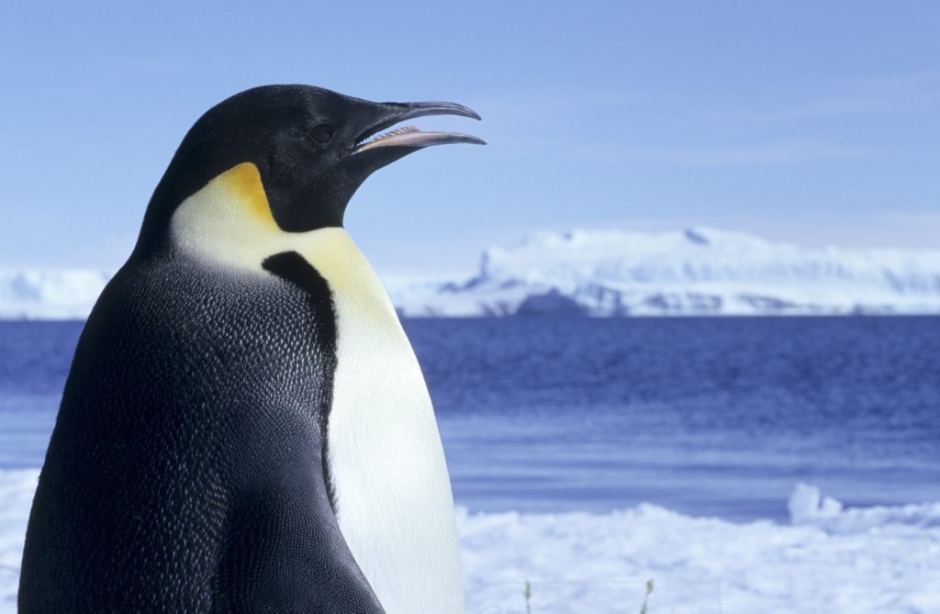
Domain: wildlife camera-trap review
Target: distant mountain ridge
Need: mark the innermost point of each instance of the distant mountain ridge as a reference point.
(699, 271)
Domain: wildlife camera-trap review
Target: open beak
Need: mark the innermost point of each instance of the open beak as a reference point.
(410, 136)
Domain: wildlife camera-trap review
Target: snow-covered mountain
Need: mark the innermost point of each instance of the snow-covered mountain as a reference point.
(701, 271)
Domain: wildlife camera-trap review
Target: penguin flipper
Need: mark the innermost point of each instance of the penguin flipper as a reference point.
(285, 551)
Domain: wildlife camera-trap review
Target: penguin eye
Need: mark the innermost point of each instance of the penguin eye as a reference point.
(321, 133)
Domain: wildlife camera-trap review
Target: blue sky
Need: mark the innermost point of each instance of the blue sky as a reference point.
(813, 122)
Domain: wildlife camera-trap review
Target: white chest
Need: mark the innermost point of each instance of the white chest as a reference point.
(394, 503)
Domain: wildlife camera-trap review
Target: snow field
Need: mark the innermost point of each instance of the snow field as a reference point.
(829, 560)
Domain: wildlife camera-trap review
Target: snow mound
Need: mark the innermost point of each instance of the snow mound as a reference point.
(808, 507)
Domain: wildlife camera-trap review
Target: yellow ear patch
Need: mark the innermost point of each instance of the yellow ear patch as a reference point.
(229, 220)
(244, 180)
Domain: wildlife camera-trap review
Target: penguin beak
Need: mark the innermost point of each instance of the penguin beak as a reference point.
(410, 137)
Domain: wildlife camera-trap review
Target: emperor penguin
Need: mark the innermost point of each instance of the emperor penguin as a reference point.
(245, 427)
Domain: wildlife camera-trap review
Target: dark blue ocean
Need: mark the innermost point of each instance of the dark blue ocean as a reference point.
(708, 417)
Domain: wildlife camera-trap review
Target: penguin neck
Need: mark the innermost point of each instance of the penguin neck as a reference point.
(229, 222)
(351, 278)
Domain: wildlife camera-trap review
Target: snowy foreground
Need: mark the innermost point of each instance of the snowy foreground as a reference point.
(829, 559)
(700, 271)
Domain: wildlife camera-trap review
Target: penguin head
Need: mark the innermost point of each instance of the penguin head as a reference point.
(311, 148)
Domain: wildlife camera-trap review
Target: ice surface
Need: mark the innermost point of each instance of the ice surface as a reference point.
(829, 559)
(699, 271)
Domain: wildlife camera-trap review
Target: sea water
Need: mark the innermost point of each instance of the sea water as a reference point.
(710, 416)
(589, 455)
